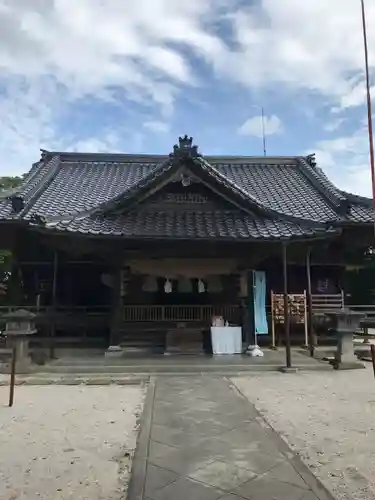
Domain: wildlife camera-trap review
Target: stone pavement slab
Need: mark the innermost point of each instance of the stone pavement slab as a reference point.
(201, 440)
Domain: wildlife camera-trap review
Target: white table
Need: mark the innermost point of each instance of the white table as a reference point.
(226, 339)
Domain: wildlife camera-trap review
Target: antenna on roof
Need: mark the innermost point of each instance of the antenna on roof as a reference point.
(264, 133)
(263, 120)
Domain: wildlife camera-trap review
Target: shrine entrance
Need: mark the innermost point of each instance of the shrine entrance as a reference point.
(179, 299)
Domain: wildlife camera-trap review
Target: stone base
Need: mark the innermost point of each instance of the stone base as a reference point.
(23, 367)
(286, 369)
(23, 360)
(114, 351)
(348, 365)
(345, 358)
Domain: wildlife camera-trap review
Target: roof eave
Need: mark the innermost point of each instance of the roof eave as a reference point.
(319, 235)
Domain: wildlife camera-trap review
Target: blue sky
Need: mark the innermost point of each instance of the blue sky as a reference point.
(94, 75)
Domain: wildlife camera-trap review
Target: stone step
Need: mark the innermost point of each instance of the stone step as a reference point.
(78, 379)
(142, 339)
(171, 368)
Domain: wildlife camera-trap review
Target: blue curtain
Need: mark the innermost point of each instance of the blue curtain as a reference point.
(260, 315)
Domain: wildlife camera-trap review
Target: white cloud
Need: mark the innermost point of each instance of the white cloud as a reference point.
(346, 161)
(313, 44)
(55, 52)
(156, 126)
(254, 126)
(356, 97)
(27, 115)
(109, 142)
(90, 46)
(331, 126)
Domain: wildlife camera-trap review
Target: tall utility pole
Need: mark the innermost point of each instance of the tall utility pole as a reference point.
(369, 105)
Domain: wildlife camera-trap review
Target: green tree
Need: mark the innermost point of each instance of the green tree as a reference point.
(9, 182)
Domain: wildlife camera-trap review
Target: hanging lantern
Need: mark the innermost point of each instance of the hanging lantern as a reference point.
(168, 286)
(201, 287)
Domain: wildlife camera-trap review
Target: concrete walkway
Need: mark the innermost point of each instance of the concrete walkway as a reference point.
(201, 440)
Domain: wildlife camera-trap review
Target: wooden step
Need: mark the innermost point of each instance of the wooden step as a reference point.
(136, 339)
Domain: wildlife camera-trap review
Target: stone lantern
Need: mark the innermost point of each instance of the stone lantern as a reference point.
(19, 326)
(346, 323)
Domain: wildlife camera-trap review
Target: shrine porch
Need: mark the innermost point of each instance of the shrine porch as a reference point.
(97, 294)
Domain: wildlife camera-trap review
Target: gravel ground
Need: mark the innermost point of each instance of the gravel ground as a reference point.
(61, 443)
(328, 418)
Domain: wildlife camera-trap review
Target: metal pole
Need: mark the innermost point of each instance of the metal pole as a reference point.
(12, 374)
(369, 105)
(53, 300)
(373, 357)
(264, 134)
(286, 309)
(309, 304)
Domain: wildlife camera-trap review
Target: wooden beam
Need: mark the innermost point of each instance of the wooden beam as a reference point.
(310, 325)
(53, 303)
(116, 306)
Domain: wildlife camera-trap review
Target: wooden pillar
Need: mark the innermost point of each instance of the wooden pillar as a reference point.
(15, 293)
(286, 308)
(114, 339)
(15, 296)
(310, 320)
(53, 306)
(248, 309)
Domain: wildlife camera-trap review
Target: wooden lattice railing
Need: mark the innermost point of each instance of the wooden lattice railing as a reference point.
(139, 312)
(181, 313)
(327, 302)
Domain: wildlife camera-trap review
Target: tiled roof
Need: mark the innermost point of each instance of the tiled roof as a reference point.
(80, 186)
(361, 209)
(283, 194)
(281, 187)
(217, 224)
(361, 214)
(5, 209)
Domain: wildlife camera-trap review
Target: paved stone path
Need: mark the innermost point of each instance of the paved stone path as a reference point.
(201, 440)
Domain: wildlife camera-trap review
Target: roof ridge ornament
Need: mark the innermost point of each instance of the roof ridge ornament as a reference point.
(311, 160)
(38, 220)
(44, 155)
(185, 148)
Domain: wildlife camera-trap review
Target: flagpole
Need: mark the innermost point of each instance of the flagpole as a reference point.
(369, 104)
